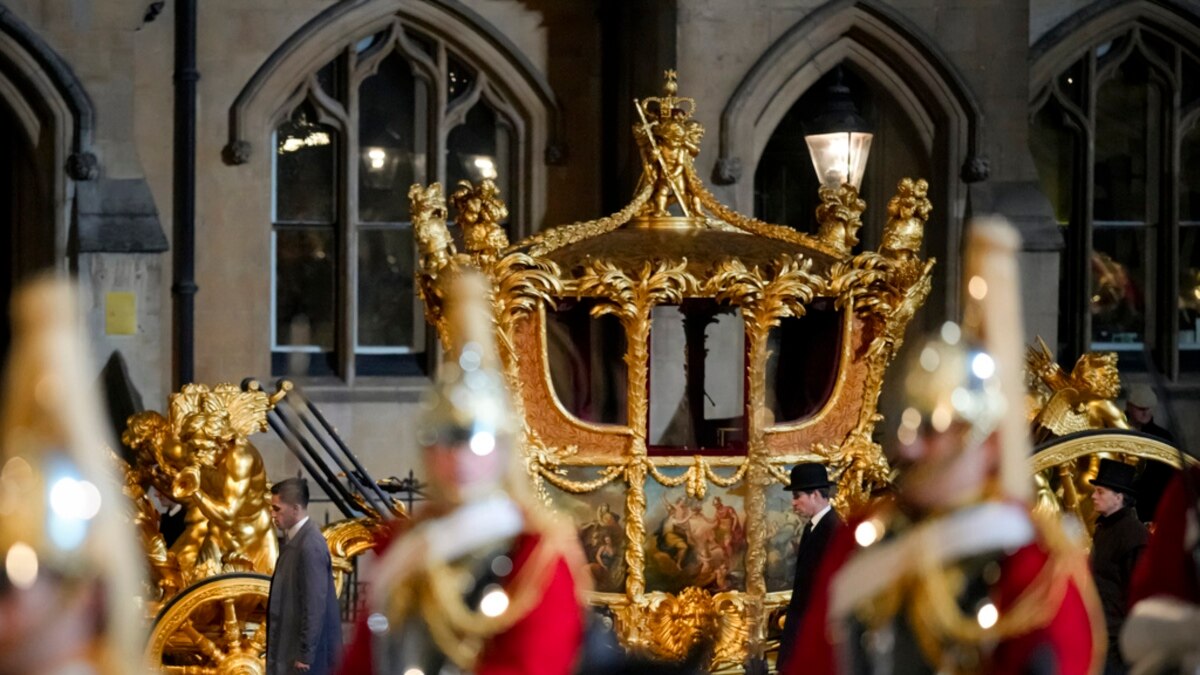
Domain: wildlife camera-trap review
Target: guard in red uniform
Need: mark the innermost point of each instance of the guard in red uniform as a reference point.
(1160, 632)
(482, 581)
(955, 575)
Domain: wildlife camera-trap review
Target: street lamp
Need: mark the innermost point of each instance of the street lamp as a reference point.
(839, 139)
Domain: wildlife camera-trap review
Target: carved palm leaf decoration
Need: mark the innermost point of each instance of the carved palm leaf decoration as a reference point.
(765, 298)
(520, 283)
(627, 298)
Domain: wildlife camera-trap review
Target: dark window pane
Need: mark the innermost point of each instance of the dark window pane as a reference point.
(585, 355)
(1123, 135)
(305, 152)
(1053, 144)
(364, 45)
(481, 148)
(385, 288)
(1189, 177)
(1071, 83)
(392, 128)
(394, 365)
(1162, 48)
(328, 78)
(304, 287)
(803, 361)
(296, 364)
(1119, 291)
(1189, 83)
(1189, 287)
(459, 78)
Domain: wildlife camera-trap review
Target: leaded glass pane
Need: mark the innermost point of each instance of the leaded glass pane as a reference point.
(1119, 285)
(1123, 135)
(1189, 177)
(1053, 144)
(305, 173)
(305, 287)
(459, 78)
(385, 287)
(481, 148)
(393, 127)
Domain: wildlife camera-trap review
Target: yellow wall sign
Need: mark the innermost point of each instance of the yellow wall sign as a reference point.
(120, 313)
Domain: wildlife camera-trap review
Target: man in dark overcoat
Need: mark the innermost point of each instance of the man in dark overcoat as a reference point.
(1117, 543)
(304, 627)
(810, 487)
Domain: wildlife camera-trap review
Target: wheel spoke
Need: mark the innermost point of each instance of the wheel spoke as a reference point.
(258, 641)
(233, 630)
(210, 650)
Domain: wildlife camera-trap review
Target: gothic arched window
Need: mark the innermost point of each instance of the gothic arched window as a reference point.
(395, 107)
(1113, 134)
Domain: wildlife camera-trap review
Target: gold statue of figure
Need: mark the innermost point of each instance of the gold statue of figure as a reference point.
(480, 212)
(201, 457)
(669, 141)
(1061, 404)
(1084, 399)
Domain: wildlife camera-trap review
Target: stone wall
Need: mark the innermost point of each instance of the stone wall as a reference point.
(126, 65)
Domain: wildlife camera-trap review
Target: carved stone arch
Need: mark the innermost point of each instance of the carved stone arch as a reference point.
(508, 73)
(1107, 20)
(53, 119)
(890, 51)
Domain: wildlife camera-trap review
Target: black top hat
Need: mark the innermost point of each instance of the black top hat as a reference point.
(808, 477)
(1115, 475)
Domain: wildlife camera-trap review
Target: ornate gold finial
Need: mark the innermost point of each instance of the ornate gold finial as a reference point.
(907, 213)
(671, 86)
(428, 208)
(840, 217)
(480, 212)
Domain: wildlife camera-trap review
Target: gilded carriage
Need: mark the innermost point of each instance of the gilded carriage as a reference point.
(207, 590)
(671, 361)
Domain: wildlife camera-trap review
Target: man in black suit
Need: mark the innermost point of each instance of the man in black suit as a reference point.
(304, 625)
(810, 487)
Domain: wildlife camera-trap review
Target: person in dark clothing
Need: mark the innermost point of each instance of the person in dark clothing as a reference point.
(810, 487)
(304, 622)
(1150, 484)
(1117, 543)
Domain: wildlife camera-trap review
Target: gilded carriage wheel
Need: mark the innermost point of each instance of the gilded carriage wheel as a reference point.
(1062, 467)
(215, 627)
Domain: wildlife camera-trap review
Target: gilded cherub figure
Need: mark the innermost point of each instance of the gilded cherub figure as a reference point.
(201, 457)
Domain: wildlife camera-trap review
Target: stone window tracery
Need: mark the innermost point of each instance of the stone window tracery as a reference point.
(396, 106)
(1113, 134)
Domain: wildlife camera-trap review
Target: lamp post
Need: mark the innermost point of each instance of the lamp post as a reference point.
(839, 139)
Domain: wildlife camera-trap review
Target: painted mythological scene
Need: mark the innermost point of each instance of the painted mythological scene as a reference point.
(783, 536)
(599, 519)
(695, 542)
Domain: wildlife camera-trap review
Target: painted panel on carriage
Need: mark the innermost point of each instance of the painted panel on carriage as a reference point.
(695, 542)
(599, 518)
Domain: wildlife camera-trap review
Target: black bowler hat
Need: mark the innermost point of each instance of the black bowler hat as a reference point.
(808, 477)
(1115, 475)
